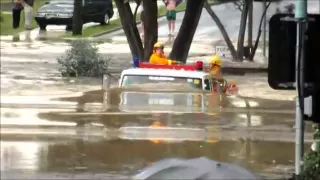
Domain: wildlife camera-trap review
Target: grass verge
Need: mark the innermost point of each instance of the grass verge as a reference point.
(93, 30)
(6, 18)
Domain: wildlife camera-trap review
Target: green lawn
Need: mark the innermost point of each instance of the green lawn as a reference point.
(93, 30)
(6, 16)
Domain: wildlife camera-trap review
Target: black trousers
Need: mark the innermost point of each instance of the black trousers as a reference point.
(16, 18)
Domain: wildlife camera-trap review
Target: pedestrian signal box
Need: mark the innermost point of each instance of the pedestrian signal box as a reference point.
(315, 117)
(282, 51)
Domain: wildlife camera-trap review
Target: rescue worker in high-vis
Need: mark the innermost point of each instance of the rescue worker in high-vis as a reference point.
(215, 67)
(215, 71)
(158, 56)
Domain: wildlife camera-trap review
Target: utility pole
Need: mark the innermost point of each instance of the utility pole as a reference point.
(264, 35)
(301, 19)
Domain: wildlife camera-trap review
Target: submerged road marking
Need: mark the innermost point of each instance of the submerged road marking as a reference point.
(153, 112)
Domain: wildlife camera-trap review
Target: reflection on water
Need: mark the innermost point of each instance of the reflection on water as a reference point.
(22, 155)
(126, 157)
(27, 117)
(248, 122)
(138, 99)
(25, 36)
(42, 35)
(253, 120)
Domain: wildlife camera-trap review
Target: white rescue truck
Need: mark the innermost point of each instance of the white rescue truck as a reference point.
(167, 88)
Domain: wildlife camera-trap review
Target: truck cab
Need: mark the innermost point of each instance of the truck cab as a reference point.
(168, 78)
(187, 76)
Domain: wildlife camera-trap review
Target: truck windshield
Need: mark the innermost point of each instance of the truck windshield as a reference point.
(163, 82)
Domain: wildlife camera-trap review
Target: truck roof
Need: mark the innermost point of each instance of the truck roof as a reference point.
(164, 72)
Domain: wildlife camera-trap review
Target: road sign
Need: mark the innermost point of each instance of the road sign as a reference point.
(222, 50)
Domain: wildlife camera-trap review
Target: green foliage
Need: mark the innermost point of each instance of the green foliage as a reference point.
(82, 59)
(311, 161)
(1, 17)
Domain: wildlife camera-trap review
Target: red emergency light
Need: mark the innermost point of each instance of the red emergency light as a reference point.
(198, 66)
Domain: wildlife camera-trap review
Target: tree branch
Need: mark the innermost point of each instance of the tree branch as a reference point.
(239, 5)
(242, 29)
(138, 2)
(223, 31)
(259, 33)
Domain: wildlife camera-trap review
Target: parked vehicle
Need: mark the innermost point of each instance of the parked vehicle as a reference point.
(60, 12)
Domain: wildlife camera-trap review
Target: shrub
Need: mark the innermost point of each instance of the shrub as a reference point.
(311, 161)
(82, 59)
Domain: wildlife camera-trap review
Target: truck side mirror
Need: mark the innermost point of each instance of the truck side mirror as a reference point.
(207, 84)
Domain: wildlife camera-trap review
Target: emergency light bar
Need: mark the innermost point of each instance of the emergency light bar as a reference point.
(198, 66)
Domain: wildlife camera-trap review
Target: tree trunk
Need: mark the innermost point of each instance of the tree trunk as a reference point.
(130, 28)
(138, 2)
(182, 43)
(250, 21)
(253, 52)
(77, 18)
(150, 9)
(223, 31)
(242, 29)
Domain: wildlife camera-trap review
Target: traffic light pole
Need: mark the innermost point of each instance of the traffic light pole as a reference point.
(264, 35)
(301, 16)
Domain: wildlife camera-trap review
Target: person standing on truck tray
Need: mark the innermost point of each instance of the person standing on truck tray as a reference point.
(215, 67)
(158, 56)
(171, 15)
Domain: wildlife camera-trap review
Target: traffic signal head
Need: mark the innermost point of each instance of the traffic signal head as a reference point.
(282, 51)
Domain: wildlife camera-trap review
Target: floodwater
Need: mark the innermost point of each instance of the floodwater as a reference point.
(77, 137)
(61, 128)
(120, 158)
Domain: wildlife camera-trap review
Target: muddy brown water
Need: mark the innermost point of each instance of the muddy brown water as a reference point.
(121, 157)
(257, 136)
(221, 110)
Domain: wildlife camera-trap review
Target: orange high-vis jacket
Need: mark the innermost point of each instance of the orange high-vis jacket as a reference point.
(158, 59)
(214, 72)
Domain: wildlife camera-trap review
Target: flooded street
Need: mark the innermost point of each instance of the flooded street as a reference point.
(120, 158)
(54, 127)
